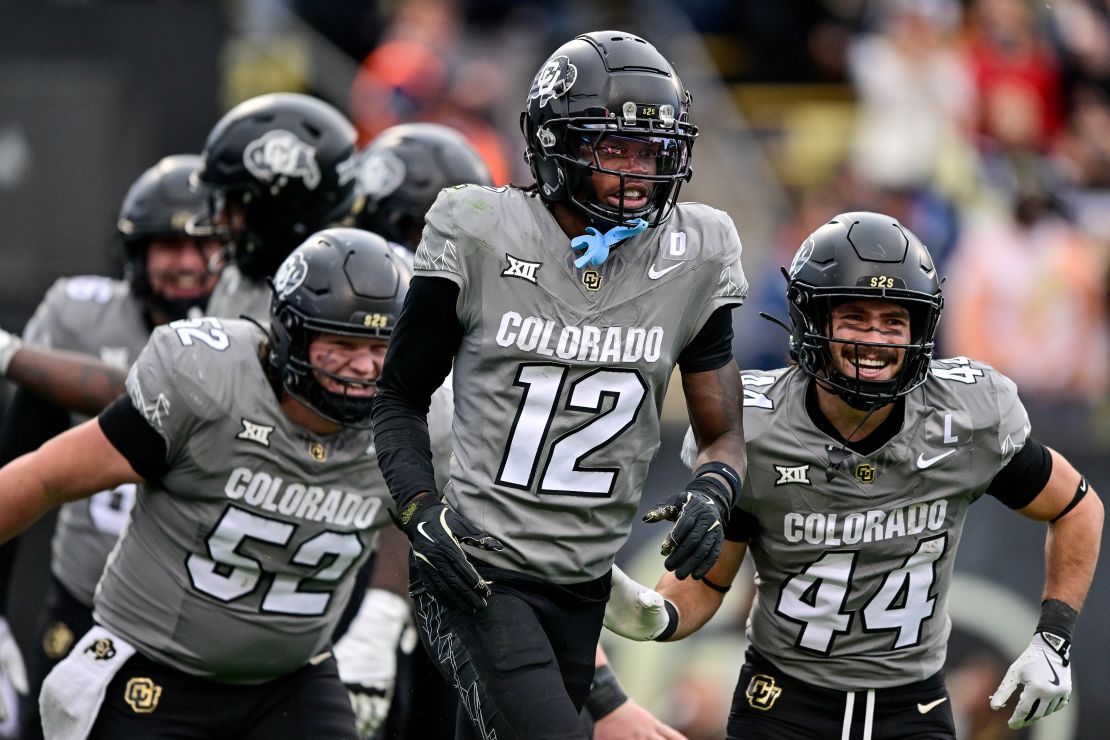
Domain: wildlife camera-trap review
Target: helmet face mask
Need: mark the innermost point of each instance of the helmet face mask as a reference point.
(595, 101)
(854, 257)
(287, 163)
(345, 282)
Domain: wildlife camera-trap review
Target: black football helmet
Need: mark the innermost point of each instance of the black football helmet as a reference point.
(288, 162)
(595, 91)
(854, 256)
(161, 203)
(402, 171)
(339, 281)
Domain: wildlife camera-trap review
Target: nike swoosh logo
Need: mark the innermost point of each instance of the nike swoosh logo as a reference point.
(420, 529)
(654, 274)
(926, 708)
(1055, 678)
(319, 658)
(924, 462)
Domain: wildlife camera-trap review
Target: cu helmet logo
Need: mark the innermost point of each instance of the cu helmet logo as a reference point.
(801, 257)
(553, 80)
(290, 275)
(381, 174)
(279, 153)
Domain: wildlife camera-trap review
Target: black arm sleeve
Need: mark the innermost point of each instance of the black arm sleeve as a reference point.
(421, 350)
(712, 347)
(135, 438)
(1025, 476)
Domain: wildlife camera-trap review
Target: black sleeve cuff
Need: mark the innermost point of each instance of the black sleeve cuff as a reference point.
(135, 438)
(712, 347)
(1024, 477)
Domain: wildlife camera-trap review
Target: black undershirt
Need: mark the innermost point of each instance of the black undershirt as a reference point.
(883, 433)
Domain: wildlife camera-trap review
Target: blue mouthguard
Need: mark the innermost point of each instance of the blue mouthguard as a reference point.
(597, 244)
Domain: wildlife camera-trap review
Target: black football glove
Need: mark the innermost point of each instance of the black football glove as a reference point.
(435, 531)
(700, 514)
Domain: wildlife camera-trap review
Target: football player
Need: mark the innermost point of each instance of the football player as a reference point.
(563, 360)
(259, 495)
(168, 276)
(400, 175)
(276, 168)
(864, 457)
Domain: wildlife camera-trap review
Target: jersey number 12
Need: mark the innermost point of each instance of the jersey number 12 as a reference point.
(563, 472)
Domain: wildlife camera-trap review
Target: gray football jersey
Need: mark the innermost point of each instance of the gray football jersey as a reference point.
(561, 373)
(237, 564)
(100, 317)
(854, 562)
(236, 295)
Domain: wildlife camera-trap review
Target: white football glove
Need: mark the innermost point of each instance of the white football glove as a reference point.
(1044, 669)
(367, 655)
(13, 676)
(634, 610)
(9, 345)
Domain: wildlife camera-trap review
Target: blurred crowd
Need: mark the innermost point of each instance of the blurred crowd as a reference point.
(984, 125)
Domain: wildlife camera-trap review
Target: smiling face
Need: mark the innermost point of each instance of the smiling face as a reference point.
(875, 321)
(178, 267)
(336, 358)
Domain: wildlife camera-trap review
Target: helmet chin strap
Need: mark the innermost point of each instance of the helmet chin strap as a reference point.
(839, 453)
(859, 403)
(596, 243)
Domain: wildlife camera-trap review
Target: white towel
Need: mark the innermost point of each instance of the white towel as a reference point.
(73, 692)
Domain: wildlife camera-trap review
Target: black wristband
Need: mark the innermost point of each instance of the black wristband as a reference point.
(672, 622)
(715, 586)
(605, 694)
(1057, 618)
(732, 478)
